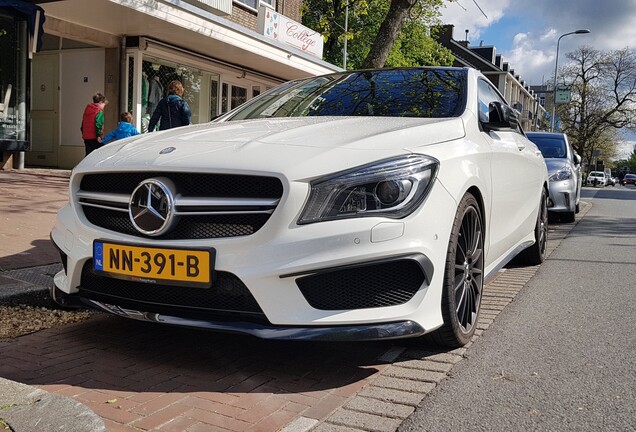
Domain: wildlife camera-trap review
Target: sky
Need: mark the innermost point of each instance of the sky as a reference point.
(525, 32)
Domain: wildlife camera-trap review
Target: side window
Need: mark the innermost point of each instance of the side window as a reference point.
(486, 94)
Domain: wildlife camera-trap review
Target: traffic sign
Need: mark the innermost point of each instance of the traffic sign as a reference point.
(563, 94)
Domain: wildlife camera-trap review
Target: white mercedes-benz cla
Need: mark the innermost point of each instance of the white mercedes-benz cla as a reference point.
(353, 206)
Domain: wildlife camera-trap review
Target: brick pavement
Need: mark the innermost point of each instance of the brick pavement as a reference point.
(29, 202)
(140, 376)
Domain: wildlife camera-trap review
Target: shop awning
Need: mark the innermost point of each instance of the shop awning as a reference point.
(34, 15)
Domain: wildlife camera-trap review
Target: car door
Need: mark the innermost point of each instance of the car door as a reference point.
(516, 178)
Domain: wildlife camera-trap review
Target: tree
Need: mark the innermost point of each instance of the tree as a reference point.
(413, 46)
(603, 99)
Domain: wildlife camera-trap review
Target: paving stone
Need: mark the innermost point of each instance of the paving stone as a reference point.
(415, 374)
(404, 384)
(425, 365)
(392, 395)
(378, 407)
(364, 421)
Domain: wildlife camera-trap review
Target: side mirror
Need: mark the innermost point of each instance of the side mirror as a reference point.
(501, 117)
(577, 159)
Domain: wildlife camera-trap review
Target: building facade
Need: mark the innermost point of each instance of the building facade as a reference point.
(222, 50)
(19, 27)
(515, 90)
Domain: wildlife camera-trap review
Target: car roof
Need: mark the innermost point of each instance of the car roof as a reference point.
(546, 134)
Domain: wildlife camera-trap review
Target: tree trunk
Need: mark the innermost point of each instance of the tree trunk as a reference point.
(388, 33)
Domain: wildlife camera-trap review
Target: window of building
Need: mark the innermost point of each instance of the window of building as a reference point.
(254, 3)
(214, 97)
(239, 95)
(13, 82)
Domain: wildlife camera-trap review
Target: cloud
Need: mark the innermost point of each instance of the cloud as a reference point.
(465, 15)
(529, 29)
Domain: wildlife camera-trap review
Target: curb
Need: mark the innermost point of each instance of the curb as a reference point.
(26, 409)
(414, 372)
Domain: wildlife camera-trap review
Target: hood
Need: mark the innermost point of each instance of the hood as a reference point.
(306, 146)
(555, 164)
(173, 99)
(93, 108)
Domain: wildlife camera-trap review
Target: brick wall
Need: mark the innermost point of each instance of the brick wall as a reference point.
(247, 17)
(243, 16)
(290, 8)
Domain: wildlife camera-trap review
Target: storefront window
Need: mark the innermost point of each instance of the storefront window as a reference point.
(239, 95)
(214, 97)
(207, 92)
(224, 98)
(156, 77)
(13, 74)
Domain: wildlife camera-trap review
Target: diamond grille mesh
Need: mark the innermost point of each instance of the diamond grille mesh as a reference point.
(369, 286)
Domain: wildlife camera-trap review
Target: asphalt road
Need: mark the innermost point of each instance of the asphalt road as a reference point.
(561, 357)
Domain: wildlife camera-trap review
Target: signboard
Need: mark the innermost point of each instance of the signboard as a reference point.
(563, 95)
(283, 29)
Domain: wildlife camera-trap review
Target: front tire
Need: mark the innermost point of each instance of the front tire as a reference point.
(463, 276)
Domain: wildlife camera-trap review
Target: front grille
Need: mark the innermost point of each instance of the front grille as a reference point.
(189, 184)
(209, 205)
(189, 227)
(227, 295)
(366, 286)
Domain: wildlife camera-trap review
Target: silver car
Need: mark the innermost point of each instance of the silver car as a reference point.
(564, 169)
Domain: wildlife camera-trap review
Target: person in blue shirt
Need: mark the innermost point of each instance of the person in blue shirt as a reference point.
(124, 129)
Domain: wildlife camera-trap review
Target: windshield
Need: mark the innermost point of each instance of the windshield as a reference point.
(597, 174)
(551, 147)
(431, 93)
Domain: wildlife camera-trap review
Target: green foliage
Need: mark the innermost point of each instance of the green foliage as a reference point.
(414, 46)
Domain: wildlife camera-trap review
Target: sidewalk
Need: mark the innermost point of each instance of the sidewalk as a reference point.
(29, 200)
(236, 383)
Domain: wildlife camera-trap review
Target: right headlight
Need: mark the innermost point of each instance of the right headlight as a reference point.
(392, 188)
(564, 173)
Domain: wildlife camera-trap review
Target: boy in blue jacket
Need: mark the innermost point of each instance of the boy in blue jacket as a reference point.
(124, 129)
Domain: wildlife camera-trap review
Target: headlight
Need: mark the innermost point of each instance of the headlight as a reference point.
(564, 173)
(393, 188)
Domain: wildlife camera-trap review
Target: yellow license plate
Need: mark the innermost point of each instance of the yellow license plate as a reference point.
(186, 267)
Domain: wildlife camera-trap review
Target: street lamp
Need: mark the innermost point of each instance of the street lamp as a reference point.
(556, 66)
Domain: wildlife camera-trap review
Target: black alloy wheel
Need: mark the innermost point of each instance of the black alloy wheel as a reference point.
(463, 276)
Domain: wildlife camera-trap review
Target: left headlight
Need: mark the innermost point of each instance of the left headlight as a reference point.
(392, 188)
(564, 173)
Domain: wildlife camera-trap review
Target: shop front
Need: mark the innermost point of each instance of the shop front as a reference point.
(210, 87)
(18, 31)
(88, 47)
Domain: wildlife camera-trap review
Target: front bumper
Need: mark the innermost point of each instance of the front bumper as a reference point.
(363, 332)
(281, 266)
(562, 196)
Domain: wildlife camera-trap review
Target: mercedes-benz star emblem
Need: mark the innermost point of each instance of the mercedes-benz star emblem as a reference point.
(151, 207)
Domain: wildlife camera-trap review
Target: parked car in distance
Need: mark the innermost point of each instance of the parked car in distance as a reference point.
(608, 177)
(597, 178)
(353, 206)
(564, 171)
(629, 179)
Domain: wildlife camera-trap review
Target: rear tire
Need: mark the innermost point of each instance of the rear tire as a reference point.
(535, 254)
(463, 276)
(569, 217)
